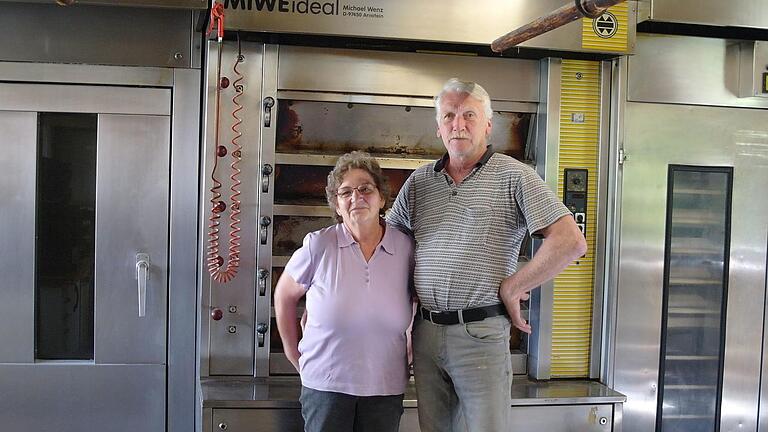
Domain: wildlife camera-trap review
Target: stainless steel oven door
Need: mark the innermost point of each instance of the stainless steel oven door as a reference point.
(84, 207)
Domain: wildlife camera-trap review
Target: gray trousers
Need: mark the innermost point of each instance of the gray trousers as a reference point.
(463, 375)
(338, 412)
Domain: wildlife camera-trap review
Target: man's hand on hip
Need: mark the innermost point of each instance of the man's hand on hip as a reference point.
(512, 298)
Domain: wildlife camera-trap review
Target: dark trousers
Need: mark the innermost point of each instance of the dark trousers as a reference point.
(338, 412)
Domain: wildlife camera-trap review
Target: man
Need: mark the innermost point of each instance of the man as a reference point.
(469, 213)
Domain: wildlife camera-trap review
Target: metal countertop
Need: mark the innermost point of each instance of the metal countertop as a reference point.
(283, 392)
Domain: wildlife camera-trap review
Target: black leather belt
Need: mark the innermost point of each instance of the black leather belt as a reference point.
(464, 315)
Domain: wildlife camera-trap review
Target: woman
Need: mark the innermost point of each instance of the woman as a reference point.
(352, 357)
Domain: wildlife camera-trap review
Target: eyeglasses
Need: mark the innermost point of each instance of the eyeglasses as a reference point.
(363, 189)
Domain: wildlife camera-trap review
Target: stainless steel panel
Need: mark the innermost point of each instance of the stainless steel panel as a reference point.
(283, 420)
(82, 397)
(736, 13)
(48, 33)
(546, 156)
(698, 71)
(566, 418)
(753, 63)
(180, 4)
(613, 217)
(257, 420)
(222, 352)
(410, 74)
(79, 74)
(85, 99)
(657, 135)
(132, 217)
(266, 201)
(762, 424)
(604, 149)
(446, 21)
(18, 163)
(183, 299)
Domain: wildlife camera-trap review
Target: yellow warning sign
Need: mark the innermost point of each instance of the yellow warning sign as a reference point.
(608, 32)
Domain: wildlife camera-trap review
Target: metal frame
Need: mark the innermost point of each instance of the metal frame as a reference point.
(671, 169)
(602, 220)
(182, 300)
(266, 201)
(224, 352)
(613, 171)
(547, 155)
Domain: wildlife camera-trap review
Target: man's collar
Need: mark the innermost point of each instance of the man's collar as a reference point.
(440, 164)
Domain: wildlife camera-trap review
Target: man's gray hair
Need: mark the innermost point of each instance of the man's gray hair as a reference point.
(355, 160)
(455, 85)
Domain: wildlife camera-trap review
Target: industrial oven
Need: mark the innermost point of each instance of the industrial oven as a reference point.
(279, 110)
(691, 257)
(309, 115)
(292, 110)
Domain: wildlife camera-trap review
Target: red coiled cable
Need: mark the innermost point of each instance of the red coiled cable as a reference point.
(215, 262)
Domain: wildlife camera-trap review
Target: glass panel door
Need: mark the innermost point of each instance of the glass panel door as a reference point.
(66, 221)
(695, 292)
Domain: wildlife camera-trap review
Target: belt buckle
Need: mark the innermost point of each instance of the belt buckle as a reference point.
(432, 320)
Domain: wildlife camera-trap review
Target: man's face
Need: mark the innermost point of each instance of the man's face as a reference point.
(462, 125)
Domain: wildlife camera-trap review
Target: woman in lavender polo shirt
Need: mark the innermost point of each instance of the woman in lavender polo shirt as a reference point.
(352, 357)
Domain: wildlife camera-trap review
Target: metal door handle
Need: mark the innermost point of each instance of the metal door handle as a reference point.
(263, 274)
(269, 102)
(265, 221)
(266, 171)
(142, 276)
(261, 331)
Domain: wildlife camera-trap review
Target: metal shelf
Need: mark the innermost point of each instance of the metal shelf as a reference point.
(692, 311)
(695, 281)
(689, 387)
(692, 191)
(687, 417)
(279, 260)
(690, 358)
(301, 210)
(387, 161)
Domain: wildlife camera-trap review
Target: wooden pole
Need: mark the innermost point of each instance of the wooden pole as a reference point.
(558, 18)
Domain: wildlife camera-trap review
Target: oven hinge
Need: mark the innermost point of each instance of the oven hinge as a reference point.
(622, 157)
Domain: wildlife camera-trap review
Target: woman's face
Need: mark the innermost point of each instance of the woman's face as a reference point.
(358, 200)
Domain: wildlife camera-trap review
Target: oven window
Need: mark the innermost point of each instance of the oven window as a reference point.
(65, 227)
(695, 293)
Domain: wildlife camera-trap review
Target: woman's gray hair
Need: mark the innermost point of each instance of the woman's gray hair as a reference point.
(455, 85)
(355, 160)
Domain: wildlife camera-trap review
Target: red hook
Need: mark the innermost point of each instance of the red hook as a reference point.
(217, 17)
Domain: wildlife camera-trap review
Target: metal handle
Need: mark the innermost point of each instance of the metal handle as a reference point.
(142, 276)
(266, 171)
(261, 331)
(269, 102)
(263, 274)
(265, 222)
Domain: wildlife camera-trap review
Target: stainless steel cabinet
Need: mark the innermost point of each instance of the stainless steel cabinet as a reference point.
(84, 311)
(565, 418)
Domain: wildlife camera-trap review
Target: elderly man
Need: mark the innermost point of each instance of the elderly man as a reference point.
(469, 212)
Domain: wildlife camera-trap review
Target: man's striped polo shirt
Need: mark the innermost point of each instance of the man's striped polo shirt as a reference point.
(468, 237)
